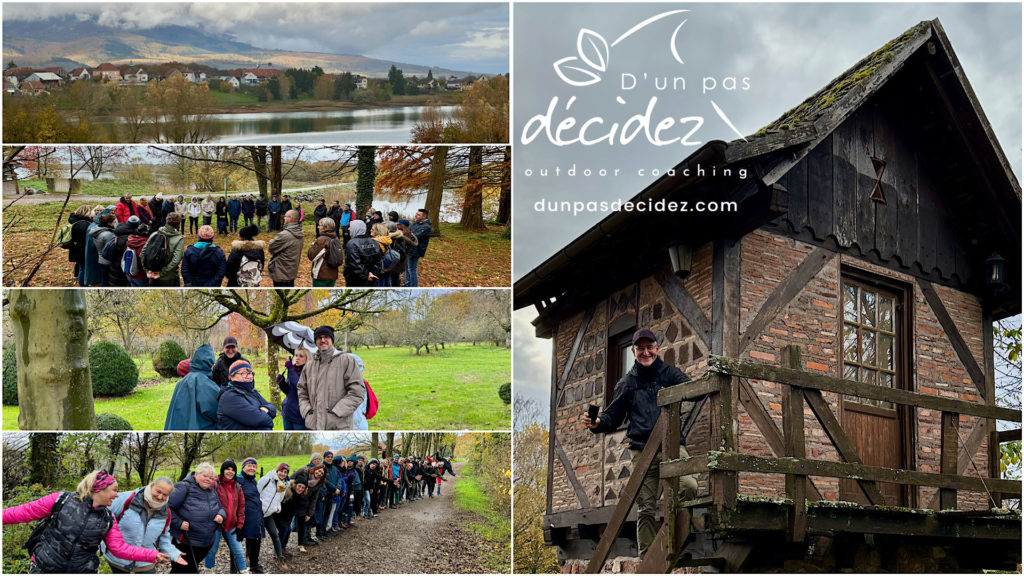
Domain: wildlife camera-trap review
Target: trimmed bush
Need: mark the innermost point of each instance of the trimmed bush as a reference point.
(166, 358)
(10, 376)
(113, 371)
(505, 392)
(106, 421)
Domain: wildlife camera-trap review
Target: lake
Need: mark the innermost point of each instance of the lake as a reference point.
(373, 126)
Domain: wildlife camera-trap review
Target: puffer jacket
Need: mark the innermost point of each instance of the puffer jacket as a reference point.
(189, 502)
(357, 481)
(140, 528)
(239, 408)
(285, 253)
(100, 235)
(636, 396)
(203, 265)
(248, 208)
(330, 390)
(288, 383)
(193, 405)
(253, 527)
(272, 491)
(72, 538)
(363, 256)
(252, 249)
(125, 209)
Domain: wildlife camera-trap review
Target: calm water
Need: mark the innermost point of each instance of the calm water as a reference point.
(382, 125)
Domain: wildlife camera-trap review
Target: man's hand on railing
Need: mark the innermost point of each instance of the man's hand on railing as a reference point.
(590, 423)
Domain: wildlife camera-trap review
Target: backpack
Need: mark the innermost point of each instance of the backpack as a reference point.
(391, 257)
(154, 254)
(37, 533)
(335, 254)
(250, 273)
(128, 504)
(64, 238)
(130, 261)
(371, 401)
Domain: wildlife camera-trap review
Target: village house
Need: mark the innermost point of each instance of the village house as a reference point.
(361, 82)
(31, 87)
(107, 71)
(836, 328)
(257, 76)
(80, 74)
(229, 79)
(48, 79)
(140, 76)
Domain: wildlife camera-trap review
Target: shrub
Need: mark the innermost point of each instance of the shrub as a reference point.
(10, 376)
(106, 421)
(113, 371)
(505, 392)
(166, 358)
(16, 559)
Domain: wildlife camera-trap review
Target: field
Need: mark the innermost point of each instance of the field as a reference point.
(456, 258)
(452, 389)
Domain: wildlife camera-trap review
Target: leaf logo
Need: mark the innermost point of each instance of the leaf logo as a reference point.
(595, 52)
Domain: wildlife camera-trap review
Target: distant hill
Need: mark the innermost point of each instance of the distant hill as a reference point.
(69, 43)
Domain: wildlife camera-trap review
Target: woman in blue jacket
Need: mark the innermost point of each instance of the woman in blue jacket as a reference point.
(144, 520)
(252, 530)
(241, 407)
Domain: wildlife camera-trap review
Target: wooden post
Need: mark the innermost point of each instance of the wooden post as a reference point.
(670, 505)
(994, 469)
(950, 425)
(793, 432)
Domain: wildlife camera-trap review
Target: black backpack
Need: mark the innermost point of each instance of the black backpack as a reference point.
(154, 253)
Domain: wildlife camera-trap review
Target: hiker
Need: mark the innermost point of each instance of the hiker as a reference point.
(193, 404)
(429, 478)
(221, 209)
(327, 255)
(363, 257)
(208, 207)
(330, 387)
(114, 252)
(144, 213)
(232, 502)
(79, 222)
(229, 355)
(286, 252)
(421, 229)
(240, 406)
(156, 204)
(382, 236)
(97, 235)
(331, 497)
(319, 213)
(136, 242)
(247, 258)
(166, 210)
(404, 245)
(252, 529)
(272, 488)
(288, 382)
(126, 208)
(203, 264)
(234, 211)
(181, 209)
(144, 520)
(261, 211)
(248, 210)
(293, 510)
(161, 260)
(273, 211)
(375, 485)
(78, 523)
(354, 479)
(286, 204)
(302, 213)
(315, 484)
(195, 210)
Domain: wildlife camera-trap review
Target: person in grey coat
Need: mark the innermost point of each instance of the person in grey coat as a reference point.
(286, 251)
(331, 386)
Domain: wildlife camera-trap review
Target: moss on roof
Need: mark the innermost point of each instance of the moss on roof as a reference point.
(808, 111)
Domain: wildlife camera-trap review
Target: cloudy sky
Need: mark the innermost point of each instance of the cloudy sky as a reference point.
(461, 36)
(787, 51)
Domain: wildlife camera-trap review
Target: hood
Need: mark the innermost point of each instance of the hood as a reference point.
(357, 228)
(248, 245)
(126, 228)
(202, 360)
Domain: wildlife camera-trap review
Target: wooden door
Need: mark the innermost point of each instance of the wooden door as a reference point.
(873, 329)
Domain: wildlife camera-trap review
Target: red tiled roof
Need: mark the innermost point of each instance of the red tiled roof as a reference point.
(263, 72)
(107, 67)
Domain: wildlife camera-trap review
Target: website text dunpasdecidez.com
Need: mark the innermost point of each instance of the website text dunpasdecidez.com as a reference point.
(682, 206)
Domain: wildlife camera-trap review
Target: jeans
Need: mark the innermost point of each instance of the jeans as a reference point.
(412, 277)
(233, 544)
(270, 523)
(248, 220)
(234, 223)
(222, 225)
(366, 503)
(289, 425)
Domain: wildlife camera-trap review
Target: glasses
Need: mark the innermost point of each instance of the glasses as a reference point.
(648, 348)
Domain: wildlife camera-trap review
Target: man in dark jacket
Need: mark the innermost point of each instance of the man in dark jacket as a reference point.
(261, 210)
(156, 206)
(636, 396)
(421, 228)
(204, 263)
(248, 210)
(320, 212)
(229, 356)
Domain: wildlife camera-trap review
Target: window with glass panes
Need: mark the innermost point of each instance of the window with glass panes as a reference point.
(869, 338)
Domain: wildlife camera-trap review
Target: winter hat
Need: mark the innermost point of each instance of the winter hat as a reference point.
(206, 232)
(323, 331)
(238, 365)
(183, 367)
(393, 214)
(250, 459)
(133, 219)
(249, 232)
(229, 463)
(283, 466)
(404, 222)
(348, 204)
(328, 454)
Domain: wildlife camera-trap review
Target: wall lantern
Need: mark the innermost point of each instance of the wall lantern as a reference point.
(681, 257)
(995, 272)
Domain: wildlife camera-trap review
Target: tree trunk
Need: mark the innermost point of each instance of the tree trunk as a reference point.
(43, 459)
(51, 339)
(275, 392)
(366, 172)
(435, 190)
(505, 204)
(391, 445)
(116, 441)
(192, 445)
(473, 191)
(276, 176)
(259, 162)
(374, 445)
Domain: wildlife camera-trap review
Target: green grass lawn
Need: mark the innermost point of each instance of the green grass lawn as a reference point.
(495, 526)
(452, 389)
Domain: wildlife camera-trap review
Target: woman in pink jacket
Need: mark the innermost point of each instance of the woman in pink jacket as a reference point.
(75, 524)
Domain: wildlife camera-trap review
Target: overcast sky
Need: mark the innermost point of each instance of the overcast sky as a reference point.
(460, 36)
(788, 51)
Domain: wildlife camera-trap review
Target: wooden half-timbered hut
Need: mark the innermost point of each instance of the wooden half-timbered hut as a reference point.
(836, 329)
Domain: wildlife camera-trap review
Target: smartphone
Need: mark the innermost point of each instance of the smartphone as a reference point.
(592, 412)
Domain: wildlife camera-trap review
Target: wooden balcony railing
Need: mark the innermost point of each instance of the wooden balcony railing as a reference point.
(725, 386)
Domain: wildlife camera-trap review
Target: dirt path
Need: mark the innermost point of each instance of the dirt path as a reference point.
(426, 536)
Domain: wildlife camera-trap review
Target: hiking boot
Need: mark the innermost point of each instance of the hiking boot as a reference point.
(313, 541)
(257, 569)
(301, 549)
